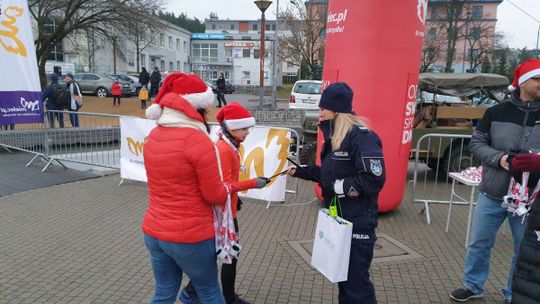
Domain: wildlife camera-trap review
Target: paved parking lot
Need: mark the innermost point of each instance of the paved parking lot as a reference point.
(81, 242)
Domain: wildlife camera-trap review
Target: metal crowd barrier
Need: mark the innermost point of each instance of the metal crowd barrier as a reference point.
(436, 155)
(95, 141)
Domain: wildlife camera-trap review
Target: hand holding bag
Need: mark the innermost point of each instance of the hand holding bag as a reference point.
(332, 243)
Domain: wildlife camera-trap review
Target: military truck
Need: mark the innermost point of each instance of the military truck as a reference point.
(446, 104)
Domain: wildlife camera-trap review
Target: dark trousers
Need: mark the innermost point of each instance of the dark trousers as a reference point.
(74, 119)
(358, 288)
(6, 127)
(55, 115)
(143, 103)
(228, 278)
(154, 88)
(114, 99)
(221, 98)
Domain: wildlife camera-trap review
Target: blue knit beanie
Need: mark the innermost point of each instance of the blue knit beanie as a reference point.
(337, 97)
(54, 77)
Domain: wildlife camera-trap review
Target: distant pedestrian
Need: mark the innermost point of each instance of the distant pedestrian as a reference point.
(144, 77)
(75, 99)
(221, 86)
(116, 93)
(143, 96)
(49, 98)
(155, 80)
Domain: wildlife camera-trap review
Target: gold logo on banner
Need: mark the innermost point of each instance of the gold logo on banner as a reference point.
(255, 158)
(10, 35)
(136, 147)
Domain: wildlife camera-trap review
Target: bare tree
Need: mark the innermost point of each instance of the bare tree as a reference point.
(303, 41)
(432, 49)
(480, 41)
(104, 17)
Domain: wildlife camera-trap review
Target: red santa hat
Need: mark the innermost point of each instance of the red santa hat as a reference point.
(528, 69)
(187, 86)
(235, 116)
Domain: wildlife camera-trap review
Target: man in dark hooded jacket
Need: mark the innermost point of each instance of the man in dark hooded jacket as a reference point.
(48, 99)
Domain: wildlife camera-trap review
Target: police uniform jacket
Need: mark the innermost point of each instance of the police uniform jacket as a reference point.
(355, 172)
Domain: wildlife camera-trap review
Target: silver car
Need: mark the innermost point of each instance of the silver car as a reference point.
(100, 85)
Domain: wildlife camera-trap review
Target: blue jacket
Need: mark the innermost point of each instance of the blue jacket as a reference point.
(355, 171)
(46, 96)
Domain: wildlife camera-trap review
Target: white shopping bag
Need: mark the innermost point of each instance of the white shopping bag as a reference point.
(332, 247)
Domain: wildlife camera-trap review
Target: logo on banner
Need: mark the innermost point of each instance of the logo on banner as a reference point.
(136, 147)
(421, 10)
(30, 105)
(410, 110)
(255, 158)
(8, 31)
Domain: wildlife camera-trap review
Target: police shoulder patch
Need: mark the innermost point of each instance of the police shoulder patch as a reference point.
(375, 166)
(352, 192)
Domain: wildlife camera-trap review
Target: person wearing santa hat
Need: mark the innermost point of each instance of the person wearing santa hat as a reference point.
(184, 182)
(235, 122)
(505, 129)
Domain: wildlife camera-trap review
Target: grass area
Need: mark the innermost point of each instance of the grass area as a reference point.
(284, 91)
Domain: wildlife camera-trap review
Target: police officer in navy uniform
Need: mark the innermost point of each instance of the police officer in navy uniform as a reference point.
(352, 167)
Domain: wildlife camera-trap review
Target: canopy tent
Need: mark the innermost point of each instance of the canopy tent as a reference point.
(461, 85)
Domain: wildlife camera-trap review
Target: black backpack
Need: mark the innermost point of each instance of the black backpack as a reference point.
(61, 98)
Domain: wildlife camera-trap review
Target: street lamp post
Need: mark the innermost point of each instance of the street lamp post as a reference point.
(114, 54)
(262, 5)
(274, 60)
(537, 37)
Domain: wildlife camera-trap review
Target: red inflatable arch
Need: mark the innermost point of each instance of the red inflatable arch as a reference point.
(375, 46)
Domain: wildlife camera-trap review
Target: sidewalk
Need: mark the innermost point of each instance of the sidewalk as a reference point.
(81, 242)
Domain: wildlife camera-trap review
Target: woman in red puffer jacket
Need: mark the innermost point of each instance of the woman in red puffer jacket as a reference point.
(184, 182)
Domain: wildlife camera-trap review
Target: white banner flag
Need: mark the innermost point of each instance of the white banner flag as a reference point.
(133, 134)
(20, 89)
(264, 154)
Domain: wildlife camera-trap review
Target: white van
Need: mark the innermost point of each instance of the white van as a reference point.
(306, 94)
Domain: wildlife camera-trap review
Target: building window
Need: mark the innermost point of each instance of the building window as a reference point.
(162, 65)
(185, 46)
(178, 44)
(267, 27)
(162, 39)
(290, 64)
(246, 53)
(434, 13)
(475, 32)
(273, 27)
(432, 33)
(473, 54)
(213, 26)
(57, 52)
(228, 52)
(227, 74)
(178, 65)
(171, 67)
(205, 52)
(256, 53)
(255, 27)
(170, 42)
(246, 76)
(143, 60)
(477, 11)
(232, 26)
(246, 37)
(131, 59)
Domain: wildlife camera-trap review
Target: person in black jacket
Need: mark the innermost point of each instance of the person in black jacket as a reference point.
(47, 98)
(144, 77)
(155, 80)
(352, 167)
(526, 281)
(221, 86)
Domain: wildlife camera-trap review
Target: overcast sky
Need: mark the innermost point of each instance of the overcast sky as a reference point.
(520, 29)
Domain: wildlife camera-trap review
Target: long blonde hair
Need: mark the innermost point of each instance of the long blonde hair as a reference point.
(343, 123)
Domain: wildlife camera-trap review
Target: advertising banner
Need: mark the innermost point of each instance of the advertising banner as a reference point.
(133, 134)
(20, 92)
(375, 46)
(264, 154)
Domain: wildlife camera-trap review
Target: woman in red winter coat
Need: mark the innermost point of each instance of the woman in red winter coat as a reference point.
(116, 93)
(183, 183)
(235, 122)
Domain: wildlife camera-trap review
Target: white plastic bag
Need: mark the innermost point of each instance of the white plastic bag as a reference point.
(332, 246)
(227, 246)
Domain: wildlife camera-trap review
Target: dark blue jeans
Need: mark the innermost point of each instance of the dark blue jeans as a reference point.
(171, 260)
(55, 115)
(74, 119)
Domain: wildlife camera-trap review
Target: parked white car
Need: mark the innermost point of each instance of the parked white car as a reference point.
(305, 94)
